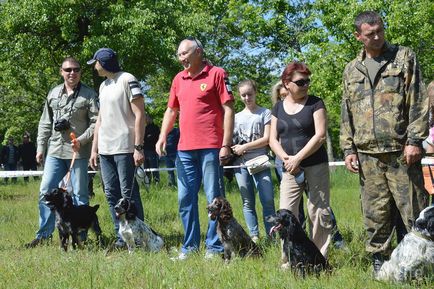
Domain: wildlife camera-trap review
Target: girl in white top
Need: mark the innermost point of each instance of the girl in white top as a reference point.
(251, 133)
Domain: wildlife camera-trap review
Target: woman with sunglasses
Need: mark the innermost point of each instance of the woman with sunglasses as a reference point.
(297, 136)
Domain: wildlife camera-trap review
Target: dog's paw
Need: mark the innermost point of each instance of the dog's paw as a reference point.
(285, 266)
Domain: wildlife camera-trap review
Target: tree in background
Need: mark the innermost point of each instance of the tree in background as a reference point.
(250, 39)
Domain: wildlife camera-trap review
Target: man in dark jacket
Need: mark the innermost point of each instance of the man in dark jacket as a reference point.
(10, 157)
(27, 152)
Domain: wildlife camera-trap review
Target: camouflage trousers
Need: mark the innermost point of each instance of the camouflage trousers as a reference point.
(385, 181)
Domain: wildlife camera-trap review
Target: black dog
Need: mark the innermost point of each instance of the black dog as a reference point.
(72, 220)
(231, 234)
(298, 251)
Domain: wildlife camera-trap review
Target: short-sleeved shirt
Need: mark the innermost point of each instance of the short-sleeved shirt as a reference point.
(116, 132)
(199, 101)
(295, 130)
(250, 127)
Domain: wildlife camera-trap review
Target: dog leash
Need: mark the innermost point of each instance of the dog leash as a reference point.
(74, 155)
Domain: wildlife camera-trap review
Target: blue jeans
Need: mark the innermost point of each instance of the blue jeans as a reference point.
(54, 171)
(262, 182)
(193, 166)
(117, 172)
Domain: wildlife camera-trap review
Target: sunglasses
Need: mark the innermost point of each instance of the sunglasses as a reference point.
(302, 82)
(69, 69)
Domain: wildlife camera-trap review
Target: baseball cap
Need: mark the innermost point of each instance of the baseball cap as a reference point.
(107, 58)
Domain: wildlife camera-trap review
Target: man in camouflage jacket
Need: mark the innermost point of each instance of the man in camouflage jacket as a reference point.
(384, 119)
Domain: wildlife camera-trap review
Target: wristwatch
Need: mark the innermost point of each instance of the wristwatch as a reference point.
(138, 147)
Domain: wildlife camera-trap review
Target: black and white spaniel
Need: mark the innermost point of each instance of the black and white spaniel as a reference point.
(133, 230)
(413, 258)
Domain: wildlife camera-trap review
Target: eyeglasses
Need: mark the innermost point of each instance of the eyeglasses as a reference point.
(197, 42)
(69, 69)
(302, 82)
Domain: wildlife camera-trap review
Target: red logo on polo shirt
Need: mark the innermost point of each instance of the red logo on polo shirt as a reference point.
(203, 86)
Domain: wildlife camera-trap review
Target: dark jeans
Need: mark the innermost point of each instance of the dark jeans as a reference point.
(10, 167)
(117, 173)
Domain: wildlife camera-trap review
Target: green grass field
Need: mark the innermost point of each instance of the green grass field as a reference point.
(93, 267)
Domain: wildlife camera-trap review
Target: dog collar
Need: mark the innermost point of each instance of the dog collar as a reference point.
(419, 234)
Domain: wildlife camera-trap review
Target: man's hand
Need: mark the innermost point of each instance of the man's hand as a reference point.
(139, 158)
(412, 154)
(160, 147)
(224, 155)
(93, 161)
(75, 144)
(352, 163)
(39, 158)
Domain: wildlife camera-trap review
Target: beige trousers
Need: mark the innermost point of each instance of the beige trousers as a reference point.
(318, 204)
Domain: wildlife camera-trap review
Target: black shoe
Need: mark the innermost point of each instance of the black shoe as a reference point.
(33, 243)
(377, 262)
(37, 242)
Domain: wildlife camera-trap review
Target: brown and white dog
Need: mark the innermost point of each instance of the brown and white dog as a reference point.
(413, 258)
(234, 238)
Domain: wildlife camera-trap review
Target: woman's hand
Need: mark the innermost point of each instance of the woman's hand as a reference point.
(291, 164)
(239, 149)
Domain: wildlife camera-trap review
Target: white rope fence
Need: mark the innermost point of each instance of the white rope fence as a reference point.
(14, 174)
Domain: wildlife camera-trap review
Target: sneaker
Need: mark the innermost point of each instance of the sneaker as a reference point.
(377, 262)
(180, 257)
(209, 255)
(255, 239)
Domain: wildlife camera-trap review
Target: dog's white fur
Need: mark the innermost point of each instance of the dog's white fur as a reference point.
(136, 232)
(413, 258)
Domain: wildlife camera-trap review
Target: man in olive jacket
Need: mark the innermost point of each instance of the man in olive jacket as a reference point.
(383, 123)
(70, 107)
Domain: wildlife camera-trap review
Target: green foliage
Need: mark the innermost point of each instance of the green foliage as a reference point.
(250, 39)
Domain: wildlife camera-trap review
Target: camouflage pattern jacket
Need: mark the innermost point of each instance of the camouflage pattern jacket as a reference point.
(388, 114)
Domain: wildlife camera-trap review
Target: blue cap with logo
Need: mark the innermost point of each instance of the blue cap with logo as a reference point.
(107, 58)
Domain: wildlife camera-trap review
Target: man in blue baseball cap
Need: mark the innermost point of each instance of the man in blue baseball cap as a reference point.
(119, 133)
(107, 58)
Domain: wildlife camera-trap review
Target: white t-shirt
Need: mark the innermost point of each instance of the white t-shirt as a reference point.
(116, 132)
(250, 127)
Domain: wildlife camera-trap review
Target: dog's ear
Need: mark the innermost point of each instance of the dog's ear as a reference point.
(226, 210)
(67, 199)
(131, 211)
(421, 224)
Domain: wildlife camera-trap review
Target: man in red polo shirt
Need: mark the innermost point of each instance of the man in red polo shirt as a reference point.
(202, 96)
